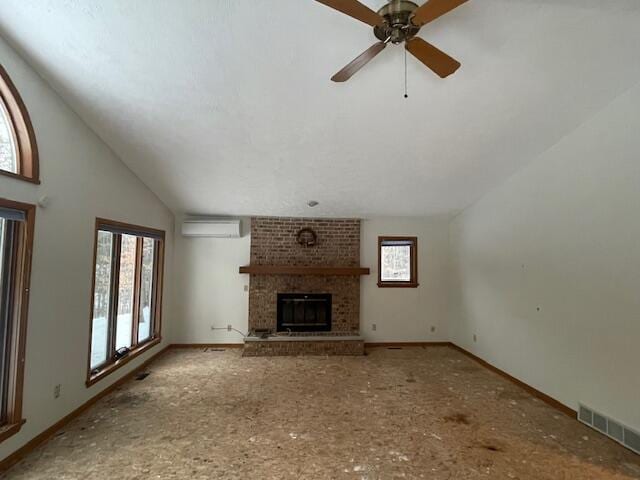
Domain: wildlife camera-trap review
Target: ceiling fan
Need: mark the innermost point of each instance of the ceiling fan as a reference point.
(397, 22)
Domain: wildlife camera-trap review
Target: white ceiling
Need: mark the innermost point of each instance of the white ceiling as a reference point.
(225, 106)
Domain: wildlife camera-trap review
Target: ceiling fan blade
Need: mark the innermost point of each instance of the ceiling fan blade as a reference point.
(433, 9)
(438, 61)
(355, 9)
(360, 61)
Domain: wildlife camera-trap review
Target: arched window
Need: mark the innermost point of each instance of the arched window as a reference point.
(18, 150)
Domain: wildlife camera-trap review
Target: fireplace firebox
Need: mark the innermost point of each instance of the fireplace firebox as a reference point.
(304, 312)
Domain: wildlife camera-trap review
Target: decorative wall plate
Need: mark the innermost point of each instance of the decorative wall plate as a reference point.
(307, 237)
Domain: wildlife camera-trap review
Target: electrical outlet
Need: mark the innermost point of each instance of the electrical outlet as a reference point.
(229, 327)
(374, 327)
(475, 338)
(56, 391)
(246, 288)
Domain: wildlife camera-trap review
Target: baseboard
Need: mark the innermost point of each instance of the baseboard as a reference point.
(207, 345)
(533, 391)
(41, 438)
(404, 344)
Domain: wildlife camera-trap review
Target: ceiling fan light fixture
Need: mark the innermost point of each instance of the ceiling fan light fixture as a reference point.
(397, 22)
(397, 17)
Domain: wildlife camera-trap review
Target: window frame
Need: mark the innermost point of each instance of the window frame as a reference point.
(112, 364)
(413, 249)
(18, 314)
(23, 133)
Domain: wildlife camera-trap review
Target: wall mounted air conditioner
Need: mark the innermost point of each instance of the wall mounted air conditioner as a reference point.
(211, 227)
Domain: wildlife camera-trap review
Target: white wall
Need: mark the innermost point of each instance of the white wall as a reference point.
(406, 314)
(563, 235)
(209, 289)
(84, 180)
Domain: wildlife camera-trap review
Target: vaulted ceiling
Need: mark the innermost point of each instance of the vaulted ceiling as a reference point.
(225, 107)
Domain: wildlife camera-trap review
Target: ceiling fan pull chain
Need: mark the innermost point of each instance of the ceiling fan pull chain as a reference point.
(406, 95)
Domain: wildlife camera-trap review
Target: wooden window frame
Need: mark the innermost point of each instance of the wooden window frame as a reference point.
(112, 364)
(22, 130)
(18, 315)
(413, 282)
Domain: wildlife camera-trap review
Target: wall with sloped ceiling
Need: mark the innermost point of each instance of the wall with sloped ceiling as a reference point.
(546, 268)
(83, 180)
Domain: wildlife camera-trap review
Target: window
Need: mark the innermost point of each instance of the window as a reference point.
(16, 240)
(127, 295)
(398, 262)
(18, 150)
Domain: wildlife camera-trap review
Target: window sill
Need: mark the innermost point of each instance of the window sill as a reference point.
(17, 176)
(7, 431)
(112, 367)
(398, 285)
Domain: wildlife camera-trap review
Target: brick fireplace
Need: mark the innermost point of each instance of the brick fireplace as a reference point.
(281, 265)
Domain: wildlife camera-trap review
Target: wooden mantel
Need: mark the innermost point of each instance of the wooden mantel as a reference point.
(293, 270)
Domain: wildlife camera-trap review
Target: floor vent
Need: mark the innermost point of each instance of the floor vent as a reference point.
(617, 431)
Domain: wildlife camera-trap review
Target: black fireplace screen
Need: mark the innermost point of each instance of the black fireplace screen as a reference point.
(304, 312)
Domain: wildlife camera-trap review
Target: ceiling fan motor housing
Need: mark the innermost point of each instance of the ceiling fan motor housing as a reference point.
(398, 27)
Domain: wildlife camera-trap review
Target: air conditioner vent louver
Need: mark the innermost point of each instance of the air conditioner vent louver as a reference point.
(585, 415)
(632, 440)
(613, 429)
(616, 431)
(600, 423)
